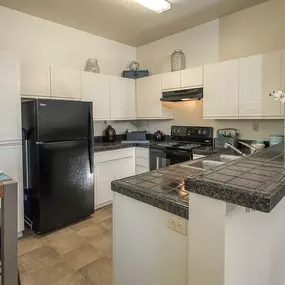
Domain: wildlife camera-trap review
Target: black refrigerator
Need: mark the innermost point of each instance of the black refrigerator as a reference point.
(58, 152)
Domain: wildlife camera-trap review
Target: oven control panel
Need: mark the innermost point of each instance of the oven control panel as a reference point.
(195, 132)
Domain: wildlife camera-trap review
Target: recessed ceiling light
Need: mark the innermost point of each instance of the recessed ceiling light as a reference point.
(158, 6)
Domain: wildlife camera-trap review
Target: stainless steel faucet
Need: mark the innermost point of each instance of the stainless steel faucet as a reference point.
(252, 149)
(228, 145)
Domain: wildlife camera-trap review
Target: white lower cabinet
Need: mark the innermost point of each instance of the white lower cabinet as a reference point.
(142, 160)
(109, 166)
(11, 164)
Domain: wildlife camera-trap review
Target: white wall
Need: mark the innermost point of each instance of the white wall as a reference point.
(200, 45)
(36, 40)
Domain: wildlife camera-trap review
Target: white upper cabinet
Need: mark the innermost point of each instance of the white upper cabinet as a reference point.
(96, 89)
(221, 90)
(10, 98)
(148, 90)
(123, 98)
(171, 80)
(260, 75)
(65, 83)
(192, 77)
(35, 80)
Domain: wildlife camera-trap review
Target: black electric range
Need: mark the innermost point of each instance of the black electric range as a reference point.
(179, 149)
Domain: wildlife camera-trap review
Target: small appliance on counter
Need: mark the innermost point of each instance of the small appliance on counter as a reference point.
(136, 137)
(183, 140)
(158, 136)
(109, 134)
(228, 135)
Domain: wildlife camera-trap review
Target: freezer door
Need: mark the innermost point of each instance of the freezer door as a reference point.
(65, 188)
(61, 120)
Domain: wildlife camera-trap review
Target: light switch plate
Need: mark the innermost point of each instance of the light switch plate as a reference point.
(255, 126)
(178, 225)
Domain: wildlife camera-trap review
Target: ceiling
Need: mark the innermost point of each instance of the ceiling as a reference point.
(126, 21)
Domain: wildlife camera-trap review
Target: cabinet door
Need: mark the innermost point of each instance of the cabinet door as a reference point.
(259, 75)
(283, 75)
(141, 169)
(104, 175)
(96, 89)
(65, 83)
(123, 98)
(192, 77)
(171, 80)
(221, 90)
(148, 97)
(35, 80)
(10, 99)
(11, 164)
(124, 167)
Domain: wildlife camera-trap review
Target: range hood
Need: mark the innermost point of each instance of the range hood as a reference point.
(182, 95)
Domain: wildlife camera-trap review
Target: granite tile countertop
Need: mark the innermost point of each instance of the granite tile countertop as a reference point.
(256, 182)
(162, 188)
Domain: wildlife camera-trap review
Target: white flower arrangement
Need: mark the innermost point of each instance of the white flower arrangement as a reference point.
(278, 96)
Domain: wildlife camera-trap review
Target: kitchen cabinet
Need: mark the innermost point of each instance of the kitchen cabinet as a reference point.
(171, 80)
(10, 107)
(142, 160)
(221, 86)
(123, 98)
(35, 80)
(192, 77)
(11, 164)
(148, 91)
(65, 83)
(96, 89)
(260, 75)
(109, 166)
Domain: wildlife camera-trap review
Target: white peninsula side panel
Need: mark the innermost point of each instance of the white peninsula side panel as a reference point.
(146, 251)
(232, 245)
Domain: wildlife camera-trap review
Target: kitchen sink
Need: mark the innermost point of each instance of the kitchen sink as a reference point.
(211, 162)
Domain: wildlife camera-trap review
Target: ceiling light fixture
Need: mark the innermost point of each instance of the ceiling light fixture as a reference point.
(158, 6)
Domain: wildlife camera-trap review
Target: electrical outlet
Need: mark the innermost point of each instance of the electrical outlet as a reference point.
(255, 126)
(178, 225)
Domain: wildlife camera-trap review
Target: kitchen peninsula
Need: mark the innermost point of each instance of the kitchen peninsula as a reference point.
(232, 216)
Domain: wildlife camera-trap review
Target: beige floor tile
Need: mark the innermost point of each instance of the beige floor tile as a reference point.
(51, 272)
(27, 244)
(99, 272)
(102, 215)
(26, 279)
(107, 224)
(38, 257)
(81, 225)
(66, 242)
(82, 256)
(103, 243)
(58, 234)
(21, 269)
(72, 279)
(92, 232)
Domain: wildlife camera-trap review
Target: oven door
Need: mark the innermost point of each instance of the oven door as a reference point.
(160, 158)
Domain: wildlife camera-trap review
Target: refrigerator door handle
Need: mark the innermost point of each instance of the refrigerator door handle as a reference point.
(27, 161)
(91, 140)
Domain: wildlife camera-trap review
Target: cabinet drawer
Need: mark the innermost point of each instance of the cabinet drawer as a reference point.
(142, 152)
(113, 155)
(142, 161)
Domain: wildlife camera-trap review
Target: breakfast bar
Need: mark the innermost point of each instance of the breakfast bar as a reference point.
(227, 213)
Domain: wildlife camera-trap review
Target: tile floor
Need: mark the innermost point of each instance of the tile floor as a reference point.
(77, 255)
